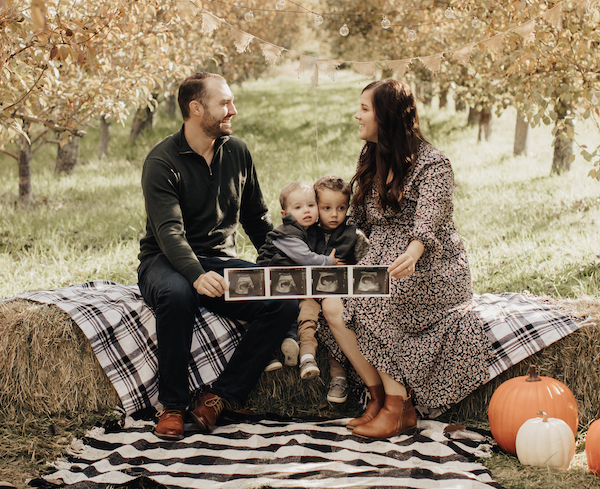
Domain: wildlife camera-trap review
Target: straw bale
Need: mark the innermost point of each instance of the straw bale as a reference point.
(46, 362)
(574, 361)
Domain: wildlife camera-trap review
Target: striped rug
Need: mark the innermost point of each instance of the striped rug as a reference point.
(278, 454)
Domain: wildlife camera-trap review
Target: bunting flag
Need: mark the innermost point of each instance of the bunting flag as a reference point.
(271, 52)
(554, 16)
(399, 67)
(463, 55)
(526, 31)
(251, 453)
(306, 63)
(433, 63)
(367, 69)
(241, 40)
(210, 22)
(494, 43)
(329, 67)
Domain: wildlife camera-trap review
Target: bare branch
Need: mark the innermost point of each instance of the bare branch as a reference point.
(51, 125)
(12, 155)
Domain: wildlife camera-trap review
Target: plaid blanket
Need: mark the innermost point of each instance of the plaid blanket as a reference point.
(249, 453)
(122, 332)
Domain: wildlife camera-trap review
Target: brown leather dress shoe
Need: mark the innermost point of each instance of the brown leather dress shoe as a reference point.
(206, 411)
(373, 407)
(170, 424)
(397, 417)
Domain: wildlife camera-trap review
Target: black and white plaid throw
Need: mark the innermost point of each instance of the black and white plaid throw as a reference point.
(122, 332)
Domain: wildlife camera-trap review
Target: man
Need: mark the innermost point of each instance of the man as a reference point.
(199, 184)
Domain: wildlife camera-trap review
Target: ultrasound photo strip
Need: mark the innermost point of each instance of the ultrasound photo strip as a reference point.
(260, 283)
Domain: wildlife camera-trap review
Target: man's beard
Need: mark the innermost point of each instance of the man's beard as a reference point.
(212, 126)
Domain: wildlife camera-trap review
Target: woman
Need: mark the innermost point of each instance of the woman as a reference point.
(424, 340)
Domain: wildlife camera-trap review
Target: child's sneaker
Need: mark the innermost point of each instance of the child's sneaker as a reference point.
(290, 350)
(309, 369)
(274, 364)
(338, 390)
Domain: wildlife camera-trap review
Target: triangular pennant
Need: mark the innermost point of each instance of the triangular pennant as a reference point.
(367, 69)
(399, 67)
(526, 31)
(433, 63)
(241, 40)
(209, 23)
(271, 52)
(306, 62)
(494, 43)
(554, 16)
(329, 66)
(463, 55)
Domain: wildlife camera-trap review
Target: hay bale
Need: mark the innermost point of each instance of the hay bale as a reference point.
(47, 364)
(574, 361)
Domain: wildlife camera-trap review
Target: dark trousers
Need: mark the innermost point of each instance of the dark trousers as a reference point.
(175, 304)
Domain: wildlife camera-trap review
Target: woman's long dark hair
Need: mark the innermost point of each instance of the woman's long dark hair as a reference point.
(398, 140)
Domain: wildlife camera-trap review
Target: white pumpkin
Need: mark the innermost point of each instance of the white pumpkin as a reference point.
(545, 442)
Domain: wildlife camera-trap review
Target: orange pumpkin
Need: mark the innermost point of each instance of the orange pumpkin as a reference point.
(519, 399)
(592, 447)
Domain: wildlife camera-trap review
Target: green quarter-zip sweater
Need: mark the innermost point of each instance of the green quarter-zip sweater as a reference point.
(194, 209)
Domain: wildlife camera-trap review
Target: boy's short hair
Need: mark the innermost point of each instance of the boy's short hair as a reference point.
(333, 182)
(289, 188)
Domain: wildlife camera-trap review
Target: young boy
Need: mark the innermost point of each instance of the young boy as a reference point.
(350, 245)
(293, 243)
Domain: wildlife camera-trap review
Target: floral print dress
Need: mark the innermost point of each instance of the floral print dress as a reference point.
(426, 334)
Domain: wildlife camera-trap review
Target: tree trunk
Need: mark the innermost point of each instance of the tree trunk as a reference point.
(459, 103)
(104, 137)
(66, 157)
(563, 149)
(473, 117)
(521, 130)
(443, 98)
(485, 124)
(170, 106)
(144, 118)
(24, 160)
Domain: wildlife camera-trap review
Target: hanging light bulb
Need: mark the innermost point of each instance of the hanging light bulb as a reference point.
(385, 23)
(412, 35)
(280, 5)
(318, 19)
(476, 23)
(449, 13)
(344, 31)
(249, 16)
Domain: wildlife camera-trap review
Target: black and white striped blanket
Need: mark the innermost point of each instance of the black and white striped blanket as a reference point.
(266, 453)
(122, 332)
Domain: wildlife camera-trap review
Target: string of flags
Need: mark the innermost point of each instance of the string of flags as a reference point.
(368, 69)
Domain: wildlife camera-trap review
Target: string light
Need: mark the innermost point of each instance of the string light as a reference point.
(385, 23)
(476, 23)
(344, 31)
(318, 19)
(449, 13)
(280, 5)
(412, 35)
(249, 16)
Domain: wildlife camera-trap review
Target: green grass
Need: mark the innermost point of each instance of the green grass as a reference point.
(523, 228)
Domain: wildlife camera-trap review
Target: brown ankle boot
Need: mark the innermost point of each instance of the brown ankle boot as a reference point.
(373, 407)
(397, 417)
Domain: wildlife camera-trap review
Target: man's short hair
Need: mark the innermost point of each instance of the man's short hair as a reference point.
(332, 182)
(193, 88)
(288, 189)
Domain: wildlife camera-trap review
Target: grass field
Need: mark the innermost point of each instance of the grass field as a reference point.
(523, 228)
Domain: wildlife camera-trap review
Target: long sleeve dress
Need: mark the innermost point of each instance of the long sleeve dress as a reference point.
(426, 334)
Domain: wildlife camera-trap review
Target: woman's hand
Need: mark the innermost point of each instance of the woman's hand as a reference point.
(404, 265)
